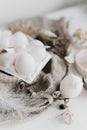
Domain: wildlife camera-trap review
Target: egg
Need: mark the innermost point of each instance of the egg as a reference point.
(19, 40)
(71, 86)
(37, 50)
(4, 38)
(29, 38)
(24, 64)
(7, 58)
(35, 43)
(38, 53)
(81, 62)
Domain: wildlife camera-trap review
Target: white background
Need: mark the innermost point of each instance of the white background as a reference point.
(14, 9)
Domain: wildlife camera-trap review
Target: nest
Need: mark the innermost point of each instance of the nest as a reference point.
(20, 100)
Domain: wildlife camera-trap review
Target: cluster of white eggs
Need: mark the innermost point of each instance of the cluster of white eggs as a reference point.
(21, 53)
(24, 53)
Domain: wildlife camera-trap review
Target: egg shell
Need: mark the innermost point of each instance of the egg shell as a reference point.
(70, 58)
(24, 64)
(81, 62)
(71, 86)
(8, 58)
(37, 50)
(19, 40)
(35, 43)
(38, 53)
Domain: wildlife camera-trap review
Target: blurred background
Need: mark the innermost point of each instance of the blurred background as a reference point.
(15, 9)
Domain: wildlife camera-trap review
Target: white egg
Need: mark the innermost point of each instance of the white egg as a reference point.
(71, 86)
(7, 58)
(37, 50)
(29, 38)
(24, 64)
(19, 41)
(38, 53)
(81, 62)
(4, 38)
(35, 43)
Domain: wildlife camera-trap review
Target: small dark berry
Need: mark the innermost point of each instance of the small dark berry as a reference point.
(29, 91)
(63, 106)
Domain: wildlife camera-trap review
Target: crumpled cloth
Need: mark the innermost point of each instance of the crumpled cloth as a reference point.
(18, 106)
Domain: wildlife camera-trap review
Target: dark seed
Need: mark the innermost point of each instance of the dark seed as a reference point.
(63, 106)
(29, 91)
(3, 51)
(21, 86)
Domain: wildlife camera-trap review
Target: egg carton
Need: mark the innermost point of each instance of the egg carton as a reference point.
(31, 77)
(39, 65)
